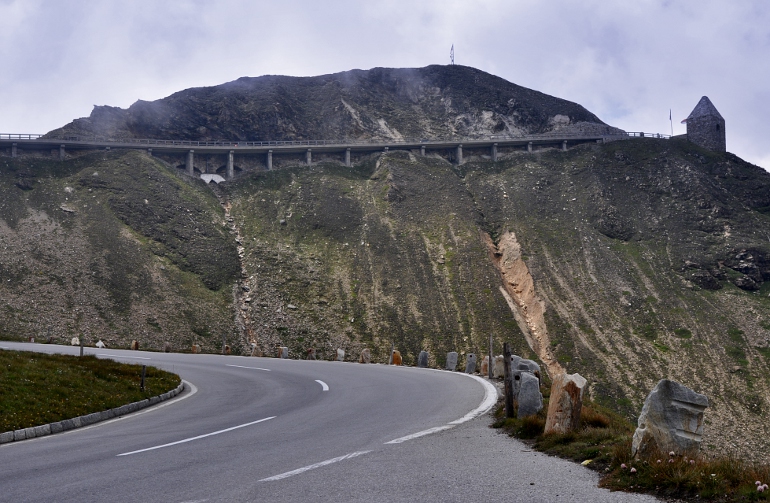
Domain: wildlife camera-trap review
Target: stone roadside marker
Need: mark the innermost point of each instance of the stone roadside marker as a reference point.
(451, 361)
(470, 363)
(530, 399)
(422, 360)
(565, 403)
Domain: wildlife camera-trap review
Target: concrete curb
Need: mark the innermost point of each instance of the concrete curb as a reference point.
(79, 422)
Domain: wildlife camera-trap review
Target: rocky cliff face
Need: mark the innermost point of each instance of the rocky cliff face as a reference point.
(378, 104)
(626, 262)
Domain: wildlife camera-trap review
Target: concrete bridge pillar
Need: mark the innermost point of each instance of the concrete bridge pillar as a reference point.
(459, 154)
(564, 146)
(347, 157)
(386, 150)
(149, 152)
(14, 153)
(529, 147)
(61, 152)
(309, 157)
(269, 162)
(190, 166)
(422, 150)
(494, 152)
(230, 165)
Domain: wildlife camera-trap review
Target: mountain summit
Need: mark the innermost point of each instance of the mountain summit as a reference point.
(377, 104)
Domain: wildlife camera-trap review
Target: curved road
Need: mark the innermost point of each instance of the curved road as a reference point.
(259, 429)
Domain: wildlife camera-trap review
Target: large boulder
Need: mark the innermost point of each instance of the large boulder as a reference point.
(671, 420)
(366, 356)
(396, 357)
(565, 403)
(422, 359)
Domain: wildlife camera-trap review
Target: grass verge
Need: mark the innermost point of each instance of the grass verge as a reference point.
(603, 443)
(37, 389)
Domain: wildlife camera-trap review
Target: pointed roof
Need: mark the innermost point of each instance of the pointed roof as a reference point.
(704, 108)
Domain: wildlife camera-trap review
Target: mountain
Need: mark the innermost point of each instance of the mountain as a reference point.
(627, 262)
(382, 104)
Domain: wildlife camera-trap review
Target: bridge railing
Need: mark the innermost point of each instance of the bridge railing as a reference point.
(634, 134)
(17, 136)
(555, 135)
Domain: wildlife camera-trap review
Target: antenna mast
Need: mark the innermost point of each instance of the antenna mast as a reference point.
(452, 55)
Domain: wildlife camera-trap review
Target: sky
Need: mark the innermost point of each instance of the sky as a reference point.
(628, 62)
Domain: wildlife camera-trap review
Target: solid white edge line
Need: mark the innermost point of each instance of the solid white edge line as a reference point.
(324, 386)
(243, 367)
(490, 399)
(198, 437)
(420, 434)
(314, 466)
(121, 356)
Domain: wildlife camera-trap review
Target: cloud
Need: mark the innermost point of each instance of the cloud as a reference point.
(628, 62)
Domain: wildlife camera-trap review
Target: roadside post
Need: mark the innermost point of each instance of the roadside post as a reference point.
(144, 370)
(81, 344)
(508, 380)
(491, 358)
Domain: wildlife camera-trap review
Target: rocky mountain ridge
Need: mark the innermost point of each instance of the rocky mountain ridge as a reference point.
(378, 104)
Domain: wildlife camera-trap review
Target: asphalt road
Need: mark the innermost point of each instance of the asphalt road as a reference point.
(264, 429)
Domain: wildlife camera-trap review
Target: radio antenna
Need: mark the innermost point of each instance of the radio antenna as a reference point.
(452, 55)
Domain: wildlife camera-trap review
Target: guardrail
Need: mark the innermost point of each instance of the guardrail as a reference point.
(16, 136)
(310, 143)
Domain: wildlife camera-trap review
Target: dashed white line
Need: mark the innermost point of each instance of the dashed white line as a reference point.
(314, 466)
(243, 367)
(324, 386)
(198, 437)
(121, 356)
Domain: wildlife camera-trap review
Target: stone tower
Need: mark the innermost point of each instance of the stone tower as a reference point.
(706, 127)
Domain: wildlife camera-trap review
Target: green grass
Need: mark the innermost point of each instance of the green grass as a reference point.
(37, 389)
(603, 442)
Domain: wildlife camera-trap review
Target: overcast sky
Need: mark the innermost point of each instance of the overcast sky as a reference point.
(628, 62)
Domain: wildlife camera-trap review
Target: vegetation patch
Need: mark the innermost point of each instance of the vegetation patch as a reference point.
(37, 389)
(603, 443)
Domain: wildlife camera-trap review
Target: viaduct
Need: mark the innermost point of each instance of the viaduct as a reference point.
(227, 157)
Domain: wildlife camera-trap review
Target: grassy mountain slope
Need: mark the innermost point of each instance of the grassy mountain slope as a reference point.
(113, 246)
(635, 249)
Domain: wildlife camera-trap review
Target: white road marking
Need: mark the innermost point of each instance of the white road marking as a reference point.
(490, 399)
(3, 347)
(198, 437)
(312, 467)
(242, 367)
(119, 356)
(324, 386)
(420, 434)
